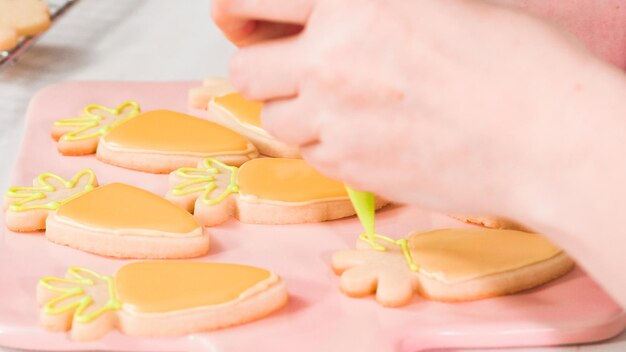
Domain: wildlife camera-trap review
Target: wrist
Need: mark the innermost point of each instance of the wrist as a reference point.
(581, 150)
(576, 199)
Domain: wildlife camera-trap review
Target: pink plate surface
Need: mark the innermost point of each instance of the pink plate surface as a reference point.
(318, 317)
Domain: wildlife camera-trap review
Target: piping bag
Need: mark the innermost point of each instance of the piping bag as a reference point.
(364, 205)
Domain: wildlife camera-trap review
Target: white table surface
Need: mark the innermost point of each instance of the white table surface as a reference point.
(130, 40)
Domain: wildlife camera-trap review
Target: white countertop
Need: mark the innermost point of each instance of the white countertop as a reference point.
(130, 40)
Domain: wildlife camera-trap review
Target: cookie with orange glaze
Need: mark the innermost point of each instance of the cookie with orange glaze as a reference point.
(114, 220)
(491, 222)
(230, 109)
(158, 298)
(244, 116)
(80, 135)
(161, 141)
(156, 141)
(449, 265)
(26, 208)
(199, 97)
(261, 191)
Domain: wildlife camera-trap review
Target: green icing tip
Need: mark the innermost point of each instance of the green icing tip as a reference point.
(364, 205)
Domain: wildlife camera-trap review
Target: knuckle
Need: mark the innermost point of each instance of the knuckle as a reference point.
(317, 71)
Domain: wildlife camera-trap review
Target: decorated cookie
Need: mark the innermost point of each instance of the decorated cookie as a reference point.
(26, 208)
(199, 97)
(158, 298)
(491, 222)
(119, 220)
(230, 109)
(80, 135)
(161, 141)
(115, 220)
(21, 18)
(244, 116)
(449, 265)
(262, 191)
(156, 141)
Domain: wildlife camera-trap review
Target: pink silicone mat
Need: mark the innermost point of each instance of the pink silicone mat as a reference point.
(318, 317)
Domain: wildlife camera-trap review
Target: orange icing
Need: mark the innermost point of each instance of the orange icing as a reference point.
(119, 206)
(169, 131)
(245, 110)
(463, 254)
(286, 180)
(165, 286)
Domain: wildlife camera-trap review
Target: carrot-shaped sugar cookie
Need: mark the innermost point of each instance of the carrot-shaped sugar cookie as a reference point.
(244, 116)
(449, 265)
(490, 221)
(80, 135)
(115, 220)
(27, 207)
(158, 298)
(156, 141)
(230, 109)
(261, 191)
(200, 96)
(161, 141)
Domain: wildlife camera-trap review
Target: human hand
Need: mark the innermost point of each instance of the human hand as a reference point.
(431, 102)
(462, 106)
(248, 22)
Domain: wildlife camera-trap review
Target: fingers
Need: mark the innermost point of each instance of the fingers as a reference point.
(265, 71)
(265, 31)
(322, 160)
(287, 121)
(333, 163)
(236, 30)
(334, 150)
(283, 11)
(248, 21)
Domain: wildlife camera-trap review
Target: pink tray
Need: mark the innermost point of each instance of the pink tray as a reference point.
(318, 317)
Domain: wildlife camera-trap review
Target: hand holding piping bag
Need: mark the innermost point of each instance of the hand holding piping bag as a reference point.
(448, 105)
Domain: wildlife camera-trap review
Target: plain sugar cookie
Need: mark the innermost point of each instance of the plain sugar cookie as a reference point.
(21, 18)
(261, 191)
(451, 265)
(158, 298)
(8, 38)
